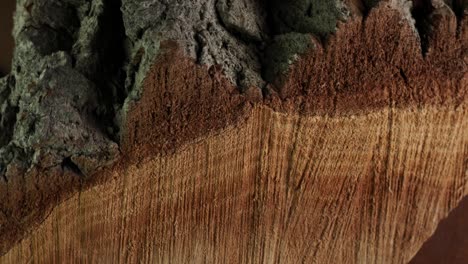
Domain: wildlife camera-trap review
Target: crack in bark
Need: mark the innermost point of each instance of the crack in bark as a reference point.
(67, 163)
(8, 110)
(421, 12)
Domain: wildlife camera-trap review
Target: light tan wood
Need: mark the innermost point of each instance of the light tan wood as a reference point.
(275, 189)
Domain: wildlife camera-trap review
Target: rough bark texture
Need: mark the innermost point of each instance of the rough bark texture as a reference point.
(229, 131)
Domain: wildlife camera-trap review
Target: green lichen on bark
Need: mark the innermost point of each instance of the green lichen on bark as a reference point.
(55, 100)
(283, 51)
(317, 17)
(295, 22)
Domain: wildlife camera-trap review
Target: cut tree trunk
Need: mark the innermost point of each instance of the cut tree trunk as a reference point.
(232, 131)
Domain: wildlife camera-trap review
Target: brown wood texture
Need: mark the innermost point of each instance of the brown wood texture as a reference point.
(355, 158)
(279, 188)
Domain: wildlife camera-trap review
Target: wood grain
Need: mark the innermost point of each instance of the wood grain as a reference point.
(278, 188)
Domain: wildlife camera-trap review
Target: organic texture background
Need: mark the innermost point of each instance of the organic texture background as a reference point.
(448, 245)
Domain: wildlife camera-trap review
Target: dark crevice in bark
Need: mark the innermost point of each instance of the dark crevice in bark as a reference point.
(422, 10)
(6, 38)
(67, 163)
(200, 44)
(368, 5)
(365, 7)
(460, 8)
(403, 76)
(8, 111)
(110, 74)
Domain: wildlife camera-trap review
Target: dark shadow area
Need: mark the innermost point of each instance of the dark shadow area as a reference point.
(449, 244)
(7, 8)
(422, 10)
(108, 72)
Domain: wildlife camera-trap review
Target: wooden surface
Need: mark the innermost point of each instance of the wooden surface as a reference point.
(275, 189)
(280, 188)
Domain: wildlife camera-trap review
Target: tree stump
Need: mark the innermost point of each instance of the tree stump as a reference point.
(220, 131)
